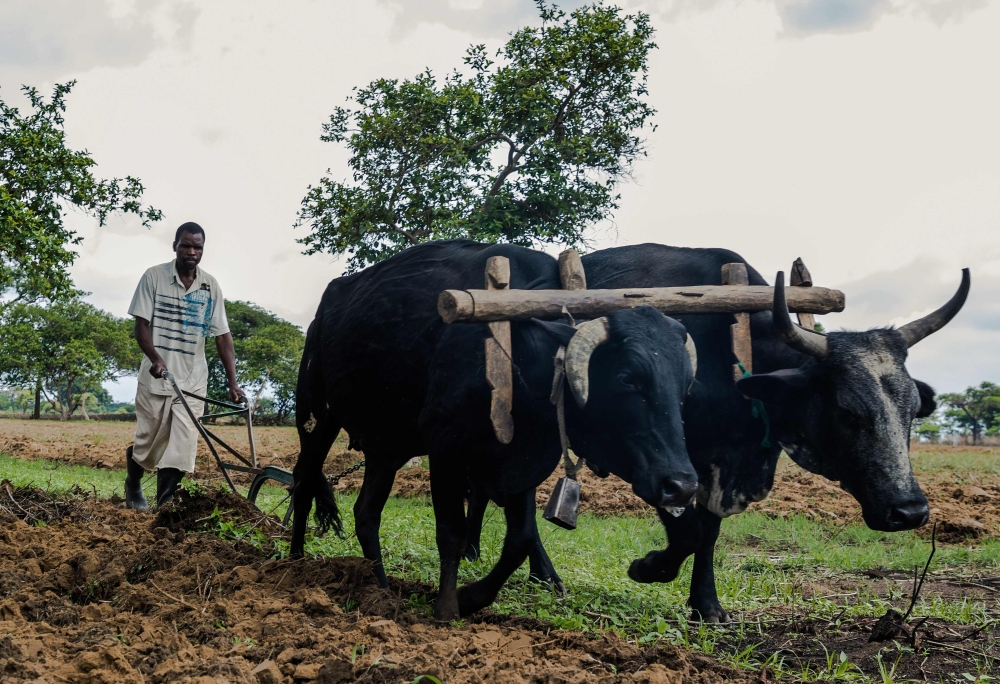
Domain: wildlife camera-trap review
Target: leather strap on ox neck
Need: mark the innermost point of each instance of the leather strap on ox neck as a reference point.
(558, 399)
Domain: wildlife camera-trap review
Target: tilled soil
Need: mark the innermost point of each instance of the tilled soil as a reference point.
(91, 593)
(966, 508)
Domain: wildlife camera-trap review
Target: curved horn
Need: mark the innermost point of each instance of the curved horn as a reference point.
(589, 336)
(693, 353)
(917, 330)
(796, 337)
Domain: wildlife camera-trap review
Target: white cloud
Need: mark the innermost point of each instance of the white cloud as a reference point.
(808, 17)
(51, 38)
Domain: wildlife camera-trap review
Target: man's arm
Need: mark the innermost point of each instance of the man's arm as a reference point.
(144, 336)
(224, 344)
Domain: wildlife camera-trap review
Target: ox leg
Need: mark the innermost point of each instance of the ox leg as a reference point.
(704, 601)
(520, 514)
(448, 490)
(683, 540)
(309, 482)
(474, 521)
(374, 492)
(541, 568)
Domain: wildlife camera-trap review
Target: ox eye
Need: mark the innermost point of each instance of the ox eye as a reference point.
(629, 381)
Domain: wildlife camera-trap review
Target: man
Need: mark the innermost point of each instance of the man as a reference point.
(176, 306)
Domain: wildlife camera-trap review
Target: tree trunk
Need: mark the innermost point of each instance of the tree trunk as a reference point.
(38, 400)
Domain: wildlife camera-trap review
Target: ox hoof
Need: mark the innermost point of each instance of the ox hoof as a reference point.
(554, 583)
(657, 566)
(710, 614)
(446, 611)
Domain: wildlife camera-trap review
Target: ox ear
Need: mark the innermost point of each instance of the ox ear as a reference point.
(927, 403)
(779, 387)
(560, 332)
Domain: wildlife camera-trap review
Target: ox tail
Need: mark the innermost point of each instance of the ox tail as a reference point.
(327, 513)
(317, 429)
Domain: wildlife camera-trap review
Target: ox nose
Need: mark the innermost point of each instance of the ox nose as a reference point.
(677, 493)
(908, 516)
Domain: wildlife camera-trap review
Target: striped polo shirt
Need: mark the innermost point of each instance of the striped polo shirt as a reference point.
(179, 319)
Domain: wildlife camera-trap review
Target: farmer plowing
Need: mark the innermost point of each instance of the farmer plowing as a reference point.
(176, 306)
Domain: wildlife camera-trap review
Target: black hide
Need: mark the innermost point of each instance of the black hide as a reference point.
(380, 363)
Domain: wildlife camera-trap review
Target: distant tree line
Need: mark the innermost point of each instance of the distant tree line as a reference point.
(974, 414)
(56, 355)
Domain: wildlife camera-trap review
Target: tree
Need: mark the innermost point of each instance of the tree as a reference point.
(976, 410)
(529, 149)
(268, 351)
(39, 178)
(67, 347)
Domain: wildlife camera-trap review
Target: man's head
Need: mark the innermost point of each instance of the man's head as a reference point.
(189, 244)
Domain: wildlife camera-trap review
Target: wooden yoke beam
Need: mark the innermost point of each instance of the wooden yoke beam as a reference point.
(736, 274)
(800, 277)
(499, 367)
(483, 306)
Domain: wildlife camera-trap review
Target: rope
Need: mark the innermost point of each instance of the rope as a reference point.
(757, 410)
(558, 398)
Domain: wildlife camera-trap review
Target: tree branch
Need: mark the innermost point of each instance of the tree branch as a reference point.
(516, 154)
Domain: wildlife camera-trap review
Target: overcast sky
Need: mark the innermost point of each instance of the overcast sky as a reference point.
(861, 135)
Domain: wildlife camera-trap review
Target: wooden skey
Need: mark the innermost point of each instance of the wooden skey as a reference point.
(736, 274)
(499, 369)
(483, 306)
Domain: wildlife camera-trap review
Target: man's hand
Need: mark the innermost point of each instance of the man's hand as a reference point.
(157, 368)
(236, 394)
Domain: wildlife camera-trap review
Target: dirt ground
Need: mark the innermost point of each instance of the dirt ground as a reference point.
(91, 593)
(966, 505)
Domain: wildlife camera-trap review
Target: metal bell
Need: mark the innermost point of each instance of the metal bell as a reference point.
(565, 499)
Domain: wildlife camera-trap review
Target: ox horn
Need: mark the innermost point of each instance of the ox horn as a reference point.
(796, 337)
(589, 336)
(693, 353)
(917, 330)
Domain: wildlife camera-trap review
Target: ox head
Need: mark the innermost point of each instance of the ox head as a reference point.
(629, 373)
(847, 413)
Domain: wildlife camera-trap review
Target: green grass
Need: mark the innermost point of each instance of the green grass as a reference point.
(761, 563)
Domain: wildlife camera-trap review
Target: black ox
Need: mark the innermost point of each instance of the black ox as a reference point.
(381, 364)
(839, 404)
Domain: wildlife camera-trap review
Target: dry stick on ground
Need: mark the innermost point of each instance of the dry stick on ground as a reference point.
(918, 587)
(172, 598)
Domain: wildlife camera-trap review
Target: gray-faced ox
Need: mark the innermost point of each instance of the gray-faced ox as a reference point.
(839, 404)
(380, 363)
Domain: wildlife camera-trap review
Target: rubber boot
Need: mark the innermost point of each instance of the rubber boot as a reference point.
(134, 497)
(167, 480)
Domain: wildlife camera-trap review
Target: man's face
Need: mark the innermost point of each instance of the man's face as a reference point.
(189, 250)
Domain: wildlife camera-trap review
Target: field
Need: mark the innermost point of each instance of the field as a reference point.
(90, 592)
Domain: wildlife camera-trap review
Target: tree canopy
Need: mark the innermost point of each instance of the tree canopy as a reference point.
(268, 350)
(976, 410)
(527, 149)
(39, 178)
(67, 346)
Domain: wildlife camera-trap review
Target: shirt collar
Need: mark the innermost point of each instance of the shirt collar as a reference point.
(177, 276)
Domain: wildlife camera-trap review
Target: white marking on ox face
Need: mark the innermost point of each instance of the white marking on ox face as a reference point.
(892, 457)
(711, 496)
(310, 424)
